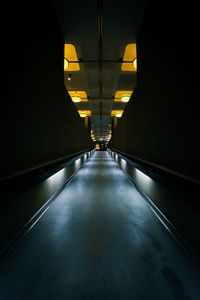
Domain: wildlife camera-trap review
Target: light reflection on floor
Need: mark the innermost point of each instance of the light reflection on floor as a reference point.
(99, 240)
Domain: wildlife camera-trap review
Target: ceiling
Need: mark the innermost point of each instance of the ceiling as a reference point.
(100, 31)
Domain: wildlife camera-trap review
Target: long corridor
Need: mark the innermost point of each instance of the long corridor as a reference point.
(99, 240)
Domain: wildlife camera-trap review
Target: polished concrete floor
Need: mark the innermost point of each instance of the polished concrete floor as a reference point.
(99, 240)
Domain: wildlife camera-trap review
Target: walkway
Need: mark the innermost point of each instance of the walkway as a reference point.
(99, 240)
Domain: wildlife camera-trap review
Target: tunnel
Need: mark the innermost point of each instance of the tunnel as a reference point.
(100, 151)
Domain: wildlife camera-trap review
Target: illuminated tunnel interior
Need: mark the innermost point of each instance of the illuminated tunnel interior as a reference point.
(100, 166)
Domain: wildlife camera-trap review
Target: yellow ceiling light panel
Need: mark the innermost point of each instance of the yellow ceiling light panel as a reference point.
(120, 95)
(70, 55)
(117, 113)
(66, 64)
(84, 113)
(130, 55)
(82, 95)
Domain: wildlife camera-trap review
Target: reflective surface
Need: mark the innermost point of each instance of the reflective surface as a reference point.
(99, 240)
(24, 197)
(176, 201)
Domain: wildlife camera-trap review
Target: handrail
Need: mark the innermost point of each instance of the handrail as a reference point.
(33, 216)
(43, 165)
(170, 171)
(190, 248)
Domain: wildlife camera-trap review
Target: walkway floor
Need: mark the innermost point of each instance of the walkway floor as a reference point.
(99, 240)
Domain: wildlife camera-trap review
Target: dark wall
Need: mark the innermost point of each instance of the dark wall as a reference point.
(39, 122)
(161, 122)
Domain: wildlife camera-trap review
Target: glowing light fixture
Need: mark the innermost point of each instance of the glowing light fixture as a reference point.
(76, 99)
(70, 55)
(83, 115)
(135, 63)
(78, 94)
(118, 115)
(120, 94)
(66, 64)
(69, 77)
(125, 98)
(130, 54)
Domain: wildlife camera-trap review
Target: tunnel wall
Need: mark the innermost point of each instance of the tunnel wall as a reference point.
(166, 198)
(28, 199)
(39, 123)
(161, 122)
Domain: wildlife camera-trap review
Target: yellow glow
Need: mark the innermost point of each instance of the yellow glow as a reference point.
(70, 55)
(117, 113)
(84, 113)
(120, 94)
(97, 147)
(135, 63)
(92, 135)
(125, 98)
(76, 99)
(66, 64)
(81, 94)
(130, 55)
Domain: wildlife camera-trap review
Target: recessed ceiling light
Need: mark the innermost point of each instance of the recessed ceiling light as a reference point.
(66, 63)
(118, 115)
(125, 98)
(69, 76)
(76, 99)
(135, 63)
(83, 115)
